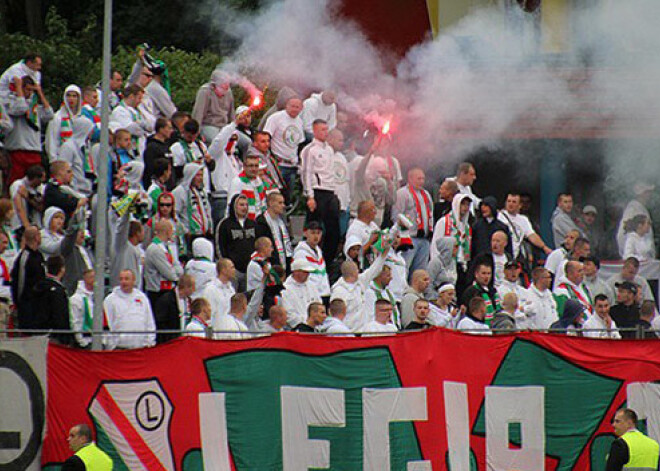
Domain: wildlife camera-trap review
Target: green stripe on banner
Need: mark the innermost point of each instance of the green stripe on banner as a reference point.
(254, 427)
(105, 444)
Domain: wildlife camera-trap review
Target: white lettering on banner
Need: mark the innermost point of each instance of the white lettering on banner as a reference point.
(457, 420)
(509, 405)
(302, 408)
(644, 399)
(379, 408)
(213, 432)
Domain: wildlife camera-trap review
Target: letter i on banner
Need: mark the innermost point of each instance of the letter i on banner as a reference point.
(213, 431)
(302, 407)
(458, 425)
(379, 408)
(523, 405)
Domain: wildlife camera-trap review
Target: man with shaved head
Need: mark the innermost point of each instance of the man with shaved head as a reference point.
(28, 270)
(416, 204)
(161, 264)
(572, 287)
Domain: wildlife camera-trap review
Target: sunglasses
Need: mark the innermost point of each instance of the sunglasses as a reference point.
(165, 205)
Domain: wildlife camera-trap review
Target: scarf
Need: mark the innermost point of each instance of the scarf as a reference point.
(66, 128)
(273, 278)
(492, 305)
(88, 161)
(575, 295)
(384, 293)
(31, 115)
(165, 285)
(188, 152)
(318, 262)
(250, 192)
(197, 212)
(418, 212)
(462, 237)
(88, 320)
(281, 238)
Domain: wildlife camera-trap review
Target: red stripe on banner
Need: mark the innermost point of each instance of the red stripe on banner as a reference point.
(135, 441)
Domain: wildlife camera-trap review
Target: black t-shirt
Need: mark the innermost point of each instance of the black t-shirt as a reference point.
(302, 327)
(74, 464)
(414, 325)
(625, 317)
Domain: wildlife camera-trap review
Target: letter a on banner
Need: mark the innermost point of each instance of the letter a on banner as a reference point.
(515, 405)
(379, 408)
(302, 407)
(213, 431)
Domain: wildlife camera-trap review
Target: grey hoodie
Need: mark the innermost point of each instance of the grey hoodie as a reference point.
(442, 268)
(73, 152)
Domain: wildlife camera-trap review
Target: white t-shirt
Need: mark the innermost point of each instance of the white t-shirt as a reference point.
(499, 261)
(519, 226)
(287, 133)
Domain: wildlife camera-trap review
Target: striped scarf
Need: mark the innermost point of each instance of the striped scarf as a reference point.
(273, 278)
(66, 127)
(255, 207)
(492, 305)
(31, 115)
(463, 238)
(197, 212)
(384, 293)
(188, 152)
(88, 320)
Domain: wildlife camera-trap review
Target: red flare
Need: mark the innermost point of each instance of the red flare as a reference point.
(256, 101)
(386, 128)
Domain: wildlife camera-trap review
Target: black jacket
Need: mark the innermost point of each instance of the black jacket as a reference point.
(263, 230)
(476, 291)
(234, 241)
(155, 149)
(29, 266)
(54, 196)
(52, 302)
(625, 317)
(166, 315)
(482, 230)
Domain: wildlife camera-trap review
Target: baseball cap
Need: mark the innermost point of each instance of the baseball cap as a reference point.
(589, 209)
(242, 109)
(632, 287)
(301, 265)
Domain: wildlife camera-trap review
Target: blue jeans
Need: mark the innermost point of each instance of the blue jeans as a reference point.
(344, 218)
(218, 209)
(289, 175)
(417, 258)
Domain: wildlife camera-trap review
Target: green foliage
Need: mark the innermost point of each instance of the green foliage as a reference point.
(70, 57)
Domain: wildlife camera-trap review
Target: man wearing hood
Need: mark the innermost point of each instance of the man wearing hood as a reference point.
(60, 128)
(52, 233)
(235, 236)
(571, 319)
(486, 225)
(52, 302)
(638, 205)
(77, 152)
(201, 267)
(455, 224)
(299, 293)
(319, 106)
(192, 206)
(81, 307)
(474, 321)
(442, 267)
(128, 309)
(562, 219)
(29, 111)
(414, 202)
(214, 105)
(27, 271)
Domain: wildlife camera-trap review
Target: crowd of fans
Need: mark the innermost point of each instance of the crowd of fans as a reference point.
(200, 241)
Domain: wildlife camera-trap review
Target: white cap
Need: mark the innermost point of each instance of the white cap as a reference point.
(242, 109)
(446, 287)
(301, 265)
(589, 209)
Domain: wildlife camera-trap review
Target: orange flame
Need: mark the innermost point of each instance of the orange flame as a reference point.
(386, 128)
(256, 101)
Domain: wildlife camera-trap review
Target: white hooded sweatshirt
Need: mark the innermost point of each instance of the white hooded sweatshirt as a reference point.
(129, 312)
(452, 225)
(51, 242)
(81, 305)
(201, 267)
(186, 200)
(76, 151)
(296, 298)
(53, 138)
(314, 257)
(219, 295)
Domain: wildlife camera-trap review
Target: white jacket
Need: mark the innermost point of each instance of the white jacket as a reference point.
(376, 328)
(318, 172)
(473, 327)
(539, 308)
(203, 271)
(296, 298)
(77, 306)
(595, 322)
(314, 257)
(230, 327)
(129, 312)
(219, 295)
(353, 294)
(332, 325)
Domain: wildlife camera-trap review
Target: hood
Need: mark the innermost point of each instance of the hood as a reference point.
(202, 247)
(232, 206)
(76, 89)
(48, 215)
(82, 127)
(445, 246)
(81, 290)
(456, 208)
(350, 242)
(189, 172)
(572, 310)
(284, 95)
(491, 202)
(123, 296)
(219, 77)
(134, 171)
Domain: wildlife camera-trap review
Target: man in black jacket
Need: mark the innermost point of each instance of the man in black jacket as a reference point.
(625, 313)
(28, 270)
(58, 193)
(235, 237)
(158, 147)
(172, 309)
(52, 301)
(486, 225)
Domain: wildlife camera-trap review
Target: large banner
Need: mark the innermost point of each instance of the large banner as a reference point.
(431, 400)
(22, 402)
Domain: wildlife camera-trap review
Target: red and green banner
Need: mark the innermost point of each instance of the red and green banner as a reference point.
(432, 400)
